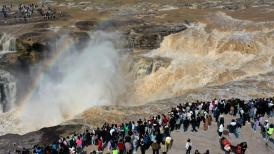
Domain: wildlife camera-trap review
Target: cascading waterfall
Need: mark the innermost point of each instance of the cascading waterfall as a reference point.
(7, 44)
(7, 91)
(7, 81)
(203, 58)
(200, 57)
(71, 82)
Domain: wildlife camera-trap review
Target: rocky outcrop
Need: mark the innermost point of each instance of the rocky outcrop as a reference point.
(34, 41)
(42, 25)
(44, 136)
(119, 24)
(85, 25)
(150, 36)
(80, 39)
(142, 66)
(32, 47)
(224, 4)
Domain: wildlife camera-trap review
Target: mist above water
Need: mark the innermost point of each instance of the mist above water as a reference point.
(76, 81)
(202, 57)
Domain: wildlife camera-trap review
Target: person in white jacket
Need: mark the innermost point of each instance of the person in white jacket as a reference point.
(188, 146)
(221, 130)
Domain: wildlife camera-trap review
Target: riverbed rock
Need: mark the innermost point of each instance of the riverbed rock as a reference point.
(85, 25)
(150, 36)
(142, 66)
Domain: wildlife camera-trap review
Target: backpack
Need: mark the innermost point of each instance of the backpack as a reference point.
(147, 140)
(189, 147)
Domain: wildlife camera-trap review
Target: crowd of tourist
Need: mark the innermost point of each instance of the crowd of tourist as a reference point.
(155, 131)
(27, 11)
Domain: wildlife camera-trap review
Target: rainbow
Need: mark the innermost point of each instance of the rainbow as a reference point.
(59, 52)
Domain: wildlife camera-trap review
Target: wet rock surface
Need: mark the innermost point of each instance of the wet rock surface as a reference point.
(85, 25)
(150, 36)
(142, 66)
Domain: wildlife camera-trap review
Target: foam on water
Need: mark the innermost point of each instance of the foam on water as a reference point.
(202, 58)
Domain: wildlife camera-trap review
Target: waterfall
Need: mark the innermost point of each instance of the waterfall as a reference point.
(7, 44)
(7, 91)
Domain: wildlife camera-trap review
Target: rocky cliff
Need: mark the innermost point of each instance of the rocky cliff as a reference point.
(166, 54)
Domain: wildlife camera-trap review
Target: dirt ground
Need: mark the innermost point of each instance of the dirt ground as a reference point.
(204, 140)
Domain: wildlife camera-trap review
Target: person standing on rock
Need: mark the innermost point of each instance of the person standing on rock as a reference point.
(188, 146)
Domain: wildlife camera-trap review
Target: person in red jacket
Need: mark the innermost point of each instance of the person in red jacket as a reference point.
(226, 145)
(165, 119)
(121, 146)
(100, 144)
